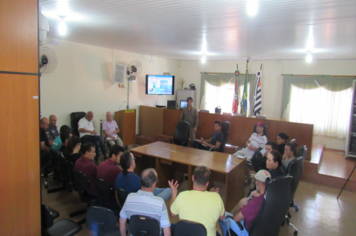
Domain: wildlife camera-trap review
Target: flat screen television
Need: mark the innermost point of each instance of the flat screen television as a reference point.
(183, 103)
(160, 84)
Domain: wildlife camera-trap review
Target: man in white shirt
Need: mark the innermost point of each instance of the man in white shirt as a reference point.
(111, 130)
(87, 133)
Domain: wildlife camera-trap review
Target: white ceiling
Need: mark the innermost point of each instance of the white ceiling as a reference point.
(176, 29)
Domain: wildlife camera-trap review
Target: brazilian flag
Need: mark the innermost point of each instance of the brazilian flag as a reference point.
(244, 96)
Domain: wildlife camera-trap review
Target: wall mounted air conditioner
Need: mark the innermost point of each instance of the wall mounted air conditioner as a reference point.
(119, 73)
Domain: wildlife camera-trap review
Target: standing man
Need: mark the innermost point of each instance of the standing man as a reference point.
(111, 130)
(198, 205)
(190, 114)
(87, 133)
(52, 131)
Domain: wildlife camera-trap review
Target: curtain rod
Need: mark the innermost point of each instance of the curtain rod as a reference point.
(217, 73)
(348, 76)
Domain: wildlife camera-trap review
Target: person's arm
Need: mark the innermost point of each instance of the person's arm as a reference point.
(238, 217)
(43, 146)
(166, 231)
(196, 120)
(108, 135)
(252, 148)
(174, 187)
(117, 130)
(122, 226)
(182, 115)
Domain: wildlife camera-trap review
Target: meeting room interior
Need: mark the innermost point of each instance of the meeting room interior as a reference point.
(194, 118)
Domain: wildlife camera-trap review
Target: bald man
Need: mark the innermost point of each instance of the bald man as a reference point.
(111, 130)
(87, 133)
(44, 123)
(52, 130)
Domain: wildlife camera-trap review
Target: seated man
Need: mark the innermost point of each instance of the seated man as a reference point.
(111, 130)
(87, 134)
(44, 142)
(214, 142)
(198, 205)
(57, 142)
(247, 208)
(52, 131)
(86, 165)
(65, 135)
(257, 140)
(274, 164)
(130, 182)
(145, 203)
(108, 170)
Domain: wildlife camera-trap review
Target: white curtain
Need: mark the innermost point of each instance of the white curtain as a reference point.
(329, 111)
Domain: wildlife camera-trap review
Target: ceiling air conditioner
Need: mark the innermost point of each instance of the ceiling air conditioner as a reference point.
(119, 73)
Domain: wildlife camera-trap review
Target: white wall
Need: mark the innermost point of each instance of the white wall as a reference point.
(272, 81)
(81, 82)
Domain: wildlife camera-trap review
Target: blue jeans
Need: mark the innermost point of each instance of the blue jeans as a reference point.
(229, 223)
(164, 193)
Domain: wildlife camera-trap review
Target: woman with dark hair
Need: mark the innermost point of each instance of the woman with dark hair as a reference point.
(290, 152)
(274, 164)
(72, 153)
(281, 142)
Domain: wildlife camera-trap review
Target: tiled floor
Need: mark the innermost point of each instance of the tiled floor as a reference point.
(320, 213)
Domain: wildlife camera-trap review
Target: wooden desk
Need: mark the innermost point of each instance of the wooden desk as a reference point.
(167, 158)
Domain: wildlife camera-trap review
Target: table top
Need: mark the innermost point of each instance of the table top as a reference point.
(215, 161)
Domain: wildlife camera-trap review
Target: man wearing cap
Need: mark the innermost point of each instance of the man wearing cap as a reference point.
(247, 209)
(257, 140)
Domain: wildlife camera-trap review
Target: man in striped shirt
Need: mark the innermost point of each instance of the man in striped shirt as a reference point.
(145, 203)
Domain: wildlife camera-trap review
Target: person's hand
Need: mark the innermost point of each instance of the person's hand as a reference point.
(174, 186)
(255, 193)
(112, 137)
(195, 129)
(216, 190)
(93, 132)
(202, 139)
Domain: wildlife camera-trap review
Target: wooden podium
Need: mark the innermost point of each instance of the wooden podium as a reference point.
(126, 120)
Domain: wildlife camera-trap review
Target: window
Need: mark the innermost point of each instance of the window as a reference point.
(222, 96)
(328, 111)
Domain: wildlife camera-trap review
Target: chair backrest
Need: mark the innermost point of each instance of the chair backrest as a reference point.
(69, 166)
(46, 217)
(295, 169)
(302, 152)
(181, 135)
(74, 119)
(81, 181)
(264, 129)
(225, 131)
(274, 208)
(100, 220)
(257, 160)
(122, 195)
(187, 228)
(144, 226)
(103, 189)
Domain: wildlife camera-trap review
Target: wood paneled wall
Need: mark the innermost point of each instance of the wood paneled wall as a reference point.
(240, 127)
(150, 120)
(20, 201)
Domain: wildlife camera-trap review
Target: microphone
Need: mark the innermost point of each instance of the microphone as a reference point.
(121, 105)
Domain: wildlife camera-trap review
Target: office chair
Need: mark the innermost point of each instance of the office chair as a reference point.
(63, 227)
(181, 135)
(258, 161)
(102, 221)
(187, 228)
(122, 195)
(144, 226)
(274, 207)
(54, 213)
(74, 119)
(225, 125)
(302, 152)
(295, 169)
(105, 192)
(81, 184)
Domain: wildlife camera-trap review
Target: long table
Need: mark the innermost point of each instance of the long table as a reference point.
(167, 158)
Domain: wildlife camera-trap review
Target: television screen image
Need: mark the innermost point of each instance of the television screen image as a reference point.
(183, 103)
(160, 84)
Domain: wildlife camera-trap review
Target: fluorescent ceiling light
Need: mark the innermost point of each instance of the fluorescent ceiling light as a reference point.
(62, 27)
(251, 7)
(309, 58)
(203, 59)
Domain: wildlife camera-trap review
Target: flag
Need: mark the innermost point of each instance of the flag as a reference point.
(235, 103)
(258, 95)
(244, 96)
